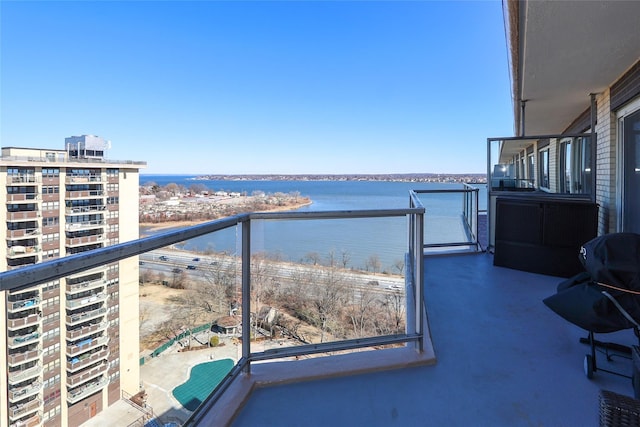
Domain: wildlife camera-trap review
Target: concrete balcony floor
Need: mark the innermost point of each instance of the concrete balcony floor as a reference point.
(503, 359)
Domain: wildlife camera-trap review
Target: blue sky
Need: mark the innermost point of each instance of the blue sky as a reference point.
(260, 87)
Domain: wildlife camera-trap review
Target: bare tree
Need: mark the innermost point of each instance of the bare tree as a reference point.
(172, 188)
(373, 263)
(197, 188)
(346, 258)
(360, 310)
(328, 295)
(313, 258)
(399, 265)
(217, 289)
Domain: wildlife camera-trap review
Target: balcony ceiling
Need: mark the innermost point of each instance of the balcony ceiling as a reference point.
(567, 50)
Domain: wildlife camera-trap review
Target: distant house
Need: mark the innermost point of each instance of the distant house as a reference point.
(228, 325)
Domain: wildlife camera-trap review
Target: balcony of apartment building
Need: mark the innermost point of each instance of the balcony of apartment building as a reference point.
(476, 346)
(23, 372)
(23, 177)
(24, 391)
(76, 394)
(24, 409)
(24, 354)
(77, 317)
(23, 248)
(85, 360)
(85, 208)
(24, 194)
(28, 421)
(22, 301)
(23, 319)
(84, 283)
(84, 299)
(85, 329)
(85, 224)
(84, 176)
(22, 230)
(84, 345)
(23, 212)
(23, 337)
(88, 233)
(89, 372)
(84, 192)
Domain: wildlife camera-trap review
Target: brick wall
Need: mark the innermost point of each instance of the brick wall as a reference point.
(606, 165)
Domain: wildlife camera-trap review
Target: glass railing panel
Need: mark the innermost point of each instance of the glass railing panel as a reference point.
(451, 215)
(318, 281)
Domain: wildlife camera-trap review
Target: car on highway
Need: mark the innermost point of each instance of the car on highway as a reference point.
(164, 258)
(196, 259)
(191, 267)
(176, 270)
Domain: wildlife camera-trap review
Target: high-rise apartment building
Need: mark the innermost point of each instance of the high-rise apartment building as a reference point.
(70, 347)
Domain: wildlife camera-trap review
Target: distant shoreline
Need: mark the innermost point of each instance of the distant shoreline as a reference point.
(408, 177)
(152, 227)
(471, 178)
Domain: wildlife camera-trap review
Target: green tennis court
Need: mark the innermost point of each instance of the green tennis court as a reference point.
(202, 380)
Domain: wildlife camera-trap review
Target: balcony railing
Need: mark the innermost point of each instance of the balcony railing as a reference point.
(86, 240)
(85, 225)
(85, 286)
(84, 194)
(412, 334)
(23, 215)
(20, 393)
(20, 251)
(25, 304)
(22, 197)
(18, 411)
(81, 179)
(23, 322)
(85, 390)
(22, 340)
(23, 179)
(81, 210)
(20, 358)
(86, 300)
(85, 316)
(84, 376)
(33, 421)
(86, 330)
(23, 374)
(441, 224)
(21, 233)
(77, 363)
(86, 345)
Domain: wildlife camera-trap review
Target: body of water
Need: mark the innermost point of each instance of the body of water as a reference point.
(354, 241)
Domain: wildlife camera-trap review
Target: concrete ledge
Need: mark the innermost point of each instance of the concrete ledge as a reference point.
(266, 374)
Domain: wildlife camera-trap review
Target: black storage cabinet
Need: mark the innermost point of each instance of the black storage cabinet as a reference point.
(543, 233)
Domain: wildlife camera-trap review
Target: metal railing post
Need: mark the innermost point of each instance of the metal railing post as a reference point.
(419, 278)
(246, 293)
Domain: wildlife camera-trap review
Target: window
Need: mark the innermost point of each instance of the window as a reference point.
(543, 172)
(49, 238)
(50, 206)
(50, 173)
(49, 222)
(53, 253)
(50, 189)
